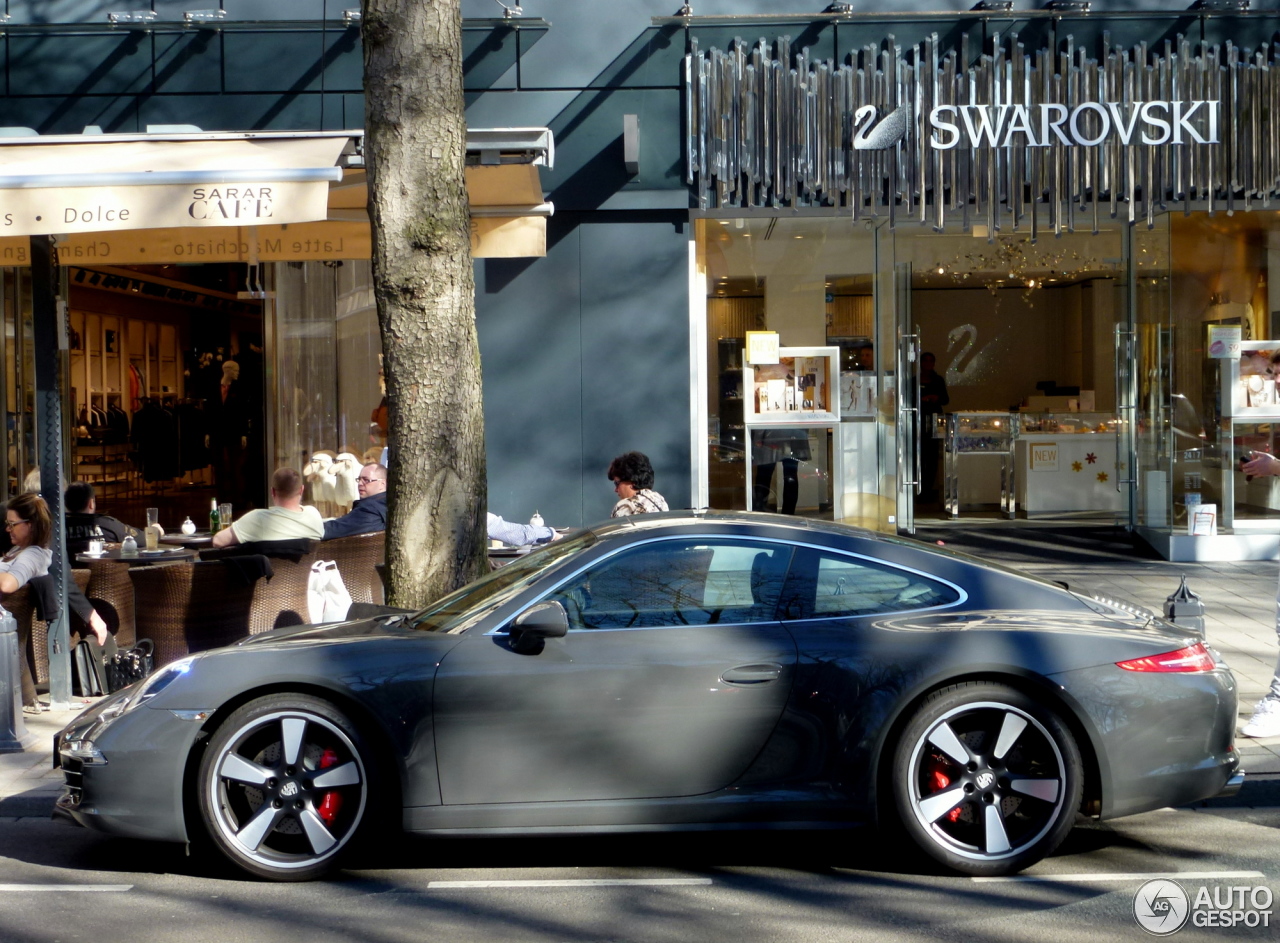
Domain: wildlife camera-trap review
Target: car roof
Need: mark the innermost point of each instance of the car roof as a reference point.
(673, 520)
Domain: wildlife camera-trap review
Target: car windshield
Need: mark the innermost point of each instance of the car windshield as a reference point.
(464, 607)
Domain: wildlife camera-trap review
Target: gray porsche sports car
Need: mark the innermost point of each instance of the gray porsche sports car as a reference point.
(674, 671)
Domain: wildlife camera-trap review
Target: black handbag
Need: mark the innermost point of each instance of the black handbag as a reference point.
(124, 668)
(88, 667)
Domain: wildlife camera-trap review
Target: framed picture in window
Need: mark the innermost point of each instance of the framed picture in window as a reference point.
(803, 386)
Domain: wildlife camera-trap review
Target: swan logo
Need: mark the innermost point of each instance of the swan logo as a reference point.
(873, 135)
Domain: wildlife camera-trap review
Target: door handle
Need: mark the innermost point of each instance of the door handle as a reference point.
(752, 674)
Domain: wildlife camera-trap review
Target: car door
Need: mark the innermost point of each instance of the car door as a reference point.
(670, 680)
(854, 668)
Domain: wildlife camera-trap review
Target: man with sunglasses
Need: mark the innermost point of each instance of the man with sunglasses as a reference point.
(369, 514)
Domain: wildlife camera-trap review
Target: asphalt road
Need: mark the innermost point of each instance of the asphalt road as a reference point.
(60, 884)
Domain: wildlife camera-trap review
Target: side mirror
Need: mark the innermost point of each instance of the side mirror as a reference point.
(537, 623)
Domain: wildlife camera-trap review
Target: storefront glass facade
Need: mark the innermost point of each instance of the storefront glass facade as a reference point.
(326, 355)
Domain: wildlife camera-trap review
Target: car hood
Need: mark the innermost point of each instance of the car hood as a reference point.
(379, 626)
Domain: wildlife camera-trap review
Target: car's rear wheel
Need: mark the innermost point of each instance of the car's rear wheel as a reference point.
(986, 780)
(284, 786)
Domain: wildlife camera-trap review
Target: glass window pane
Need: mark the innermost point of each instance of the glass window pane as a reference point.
(825, 584)
(678, 583)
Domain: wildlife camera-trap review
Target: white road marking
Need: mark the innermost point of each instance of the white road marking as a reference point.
(64, 888)
(575, 882)
(1106, 876)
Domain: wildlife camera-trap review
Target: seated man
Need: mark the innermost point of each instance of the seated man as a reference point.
(85, 523)
(518, 535)
(369, 514)
(286, 519)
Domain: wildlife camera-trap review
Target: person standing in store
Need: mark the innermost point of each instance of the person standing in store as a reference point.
(933, 401)
(1265, 721)
(230, 434)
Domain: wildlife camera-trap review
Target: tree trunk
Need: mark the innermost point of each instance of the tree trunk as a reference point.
(415, 153)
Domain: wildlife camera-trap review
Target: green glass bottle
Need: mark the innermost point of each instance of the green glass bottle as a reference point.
(215, 523)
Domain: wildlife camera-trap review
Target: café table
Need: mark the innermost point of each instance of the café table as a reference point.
(501, 556)
(200, 540)
(142, 558)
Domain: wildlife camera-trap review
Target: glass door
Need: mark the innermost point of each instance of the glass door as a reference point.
(1166, 434)
(912, 438)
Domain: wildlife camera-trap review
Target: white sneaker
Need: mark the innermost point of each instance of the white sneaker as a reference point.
(1265, 721)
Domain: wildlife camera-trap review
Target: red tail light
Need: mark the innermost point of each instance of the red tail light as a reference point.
(1192, 658)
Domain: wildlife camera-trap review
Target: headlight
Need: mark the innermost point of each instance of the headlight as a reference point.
(149, 687)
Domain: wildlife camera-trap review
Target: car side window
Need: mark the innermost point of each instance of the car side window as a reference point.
(825, 584)
(678, 582)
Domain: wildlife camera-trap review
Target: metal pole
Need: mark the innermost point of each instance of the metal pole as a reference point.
(50, 339)
(14, 736)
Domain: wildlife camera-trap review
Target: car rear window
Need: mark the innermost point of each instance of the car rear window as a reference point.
(825, 584)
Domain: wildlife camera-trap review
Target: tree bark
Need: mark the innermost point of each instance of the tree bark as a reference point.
(415, 154)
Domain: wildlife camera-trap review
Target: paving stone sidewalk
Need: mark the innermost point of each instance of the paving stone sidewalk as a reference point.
(1240, 623)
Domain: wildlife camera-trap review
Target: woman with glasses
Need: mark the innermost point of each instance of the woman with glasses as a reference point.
(632, 477)
(30, 529)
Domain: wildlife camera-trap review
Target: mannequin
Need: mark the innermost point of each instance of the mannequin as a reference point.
(322, 482)
(346, 470)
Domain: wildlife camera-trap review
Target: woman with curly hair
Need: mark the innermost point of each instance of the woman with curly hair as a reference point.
(632, 478)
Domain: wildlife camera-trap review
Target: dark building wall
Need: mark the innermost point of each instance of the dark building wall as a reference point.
(586, 355)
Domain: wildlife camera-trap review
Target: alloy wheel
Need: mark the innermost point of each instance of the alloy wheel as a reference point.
(987, 782)
(284, 791)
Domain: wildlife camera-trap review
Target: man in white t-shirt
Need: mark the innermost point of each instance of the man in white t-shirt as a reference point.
(286, 519)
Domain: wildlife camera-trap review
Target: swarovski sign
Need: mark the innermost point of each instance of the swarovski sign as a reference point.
(1086, 125)
(1001, 136)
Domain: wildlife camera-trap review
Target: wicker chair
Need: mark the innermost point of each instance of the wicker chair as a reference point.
(33, 635)
(357, 558)
(190, 607)
(282, 600)
(110, 591)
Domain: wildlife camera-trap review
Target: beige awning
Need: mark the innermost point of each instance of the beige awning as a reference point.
(508, 213)
(106, 183)
(128, 199)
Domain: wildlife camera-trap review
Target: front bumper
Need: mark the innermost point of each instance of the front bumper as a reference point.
(132, 781)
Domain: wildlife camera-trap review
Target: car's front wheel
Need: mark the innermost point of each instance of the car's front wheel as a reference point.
(284, 786)
(986, 780)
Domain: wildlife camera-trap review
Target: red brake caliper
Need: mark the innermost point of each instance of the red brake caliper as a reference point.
(330, 802)
(942, 781)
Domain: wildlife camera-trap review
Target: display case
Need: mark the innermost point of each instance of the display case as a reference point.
(1249, 398)
(802, 387)
(1058, 423)
(1067, 465)
(978, 449)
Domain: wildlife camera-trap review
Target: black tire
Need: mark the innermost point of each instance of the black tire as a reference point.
(986, 780)
(284, 787)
